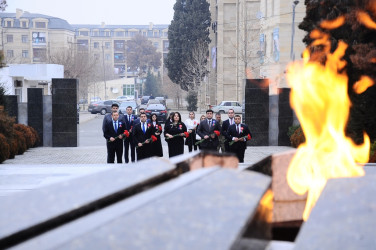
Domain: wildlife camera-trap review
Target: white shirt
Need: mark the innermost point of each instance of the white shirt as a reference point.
(191, 124)
(231, 121)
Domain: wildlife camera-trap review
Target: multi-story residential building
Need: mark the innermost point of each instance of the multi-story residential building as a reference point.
(33, 38)
(251, 39)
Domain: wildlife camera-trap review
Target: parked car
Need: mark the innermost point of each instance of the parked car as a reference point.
(123, 107)
(158, 109)
(145, 99)
(95, 99)
(153, 101)
(161, 99)
(102, 107)
(224, 106)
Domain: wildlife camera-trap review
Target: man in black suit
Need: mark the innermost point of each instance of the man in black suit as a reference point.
(226, 124)
(113, 132)
(142, 132)
(108, 117)
(206, 131)
(128, 142)
(237, 133)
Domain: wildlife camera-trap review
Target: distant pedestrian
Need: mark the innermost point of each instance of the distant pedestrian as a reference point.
(174, 134)
(238, 134)
(221, 138)
(207, 130)
(156, 147)
(191, 123)
(113, 132)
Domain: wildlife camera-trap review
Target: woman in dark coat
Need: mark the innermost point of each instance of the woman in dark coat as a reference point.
(168, 122)
(156, 147)
(175, 134)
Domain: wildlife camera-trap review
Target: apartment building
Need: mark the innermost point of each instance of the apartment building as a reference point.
(251, 39)
(33, 38)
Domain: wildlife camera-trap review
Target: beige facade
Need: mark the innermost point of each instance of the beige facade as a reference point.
(33, 38)
(250, 39)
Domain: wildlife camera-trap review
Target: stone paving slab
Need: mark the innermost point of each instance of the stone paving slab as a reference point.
(69, 195)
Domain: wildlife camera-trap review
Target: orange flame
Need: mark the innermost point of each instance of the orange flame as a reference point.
(333, 24)
(363, 84)
(365, 19)
(319, 98)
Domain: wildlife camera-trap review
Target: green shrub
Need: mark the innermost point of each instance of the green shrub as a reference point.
(4, 148)
(297, 137)
(372, 153)
(292, 129)
(192, 100)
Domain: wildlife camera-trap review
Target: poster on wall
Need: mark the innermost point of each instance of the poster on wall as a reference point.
(39, 38)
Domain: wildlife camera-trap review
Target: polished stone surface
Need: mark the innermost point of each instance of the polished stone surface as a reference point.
(344, 216)
(23, 210)
(47, 121)
(35, 111)
(11, 106)
(64, 113)
(273, 120)
(202, 209)
(285, 117)
(257, 111)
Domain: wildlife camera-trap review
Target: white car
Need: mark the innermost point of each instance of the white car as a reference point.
(224, 106)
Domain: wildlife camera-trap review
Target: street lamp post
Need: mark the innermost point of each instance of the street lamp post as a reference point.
(292, 56)
(104, 75)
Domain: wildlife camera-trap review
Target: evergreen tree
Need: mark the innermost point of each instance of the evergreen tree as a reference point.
(189, 26)
(359, 55)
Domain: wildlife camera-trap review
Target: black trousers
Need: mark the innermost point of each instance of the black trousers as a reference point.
(128, 143)
(115, 147)
(143, 152)
(239, 153)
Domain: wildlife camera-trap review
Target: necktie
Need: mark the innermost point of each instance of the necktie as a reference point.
(209, 123)
(129, 118)
(143, 127)
(237, 128)
(116, 127)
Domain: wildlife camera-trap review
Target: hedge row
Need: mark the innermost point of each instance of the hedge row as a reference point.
(297, 137)
(15, 139)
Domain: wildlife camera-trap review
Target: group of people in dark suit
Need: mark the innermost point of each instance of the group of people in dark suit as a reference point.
(140, 131)
(145, 135)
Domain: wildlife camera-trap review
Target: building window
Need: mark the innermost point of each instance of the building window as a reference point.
(119, 69)
(9, 38)
(96, 45)
(126, 33)
(95, 33)
(107, 45)
(119, 58)
(119, 44)
(9, 23)
(133, 33)
(156, 34)
(25, 53)
(39, 54)
(166, 44)
(24, 38)
(41, 25)
(39, 38)
(128, 89)
(24, 24)
(82, 45)
(84, 33)
(9, 53)
(150, 33)
(120, 33)
(164, 34)
(107, 33)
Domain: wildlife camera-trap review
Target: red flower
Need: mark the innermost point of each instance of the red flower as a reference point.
(180, 126)
(217, 132)
(159, 127)
(153, 138)
(148, 125)
(126, 133)
(186, 134)
(249, 137)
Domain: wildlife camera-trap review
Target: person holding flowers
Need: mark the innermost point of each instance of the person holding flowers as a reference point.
(142, 133)
(191, 124)
(156, 147)
(175, 132)
(113, 131)
(209, 131)
(238, 134)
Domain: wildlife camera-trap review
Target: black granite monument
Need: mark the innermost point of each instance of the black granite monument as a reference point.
(64, 112)
(11, 106)
(257, 111)
(285, 117)
(35, 111)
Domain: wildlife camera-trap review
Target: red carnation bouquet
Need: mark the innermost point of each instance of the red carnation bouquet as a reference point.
(186, 135)
(151, 139)
(125, 135)
(216, 132)
(245, 138)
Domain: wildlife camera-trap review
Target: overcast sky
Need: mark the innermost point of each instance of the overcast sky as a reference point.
(94, 11)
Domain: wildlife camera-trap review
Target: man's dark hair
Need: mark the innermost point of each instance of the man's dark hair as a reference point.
(209, 111)
(113, 112)
(142, 114)
(141, 109)
(114, 105)
(129, 107)
(237, 116)
(218, 114)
